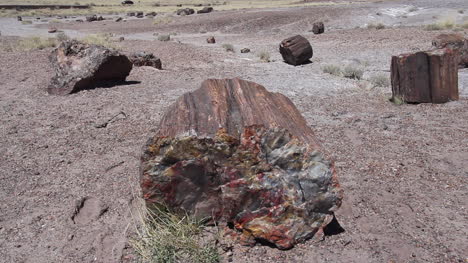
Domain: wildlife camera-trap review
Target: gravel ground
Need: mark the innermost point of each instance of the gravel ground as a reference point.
(403, 168)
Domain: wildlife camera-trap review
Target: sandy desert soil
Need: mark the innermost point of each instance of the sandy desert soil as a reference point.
(404, 169)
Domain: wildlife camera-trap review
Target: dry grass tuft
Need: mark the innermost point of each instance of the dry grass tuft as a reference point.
(353, 72)
(164, 237)
(100, 39)
(375, 26)
(380, 80)
(332, 69)
(164, 38)
(264, 56)
(228, 47)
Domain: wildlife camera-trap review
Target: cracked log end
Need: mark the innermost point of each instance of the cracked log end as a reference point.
(270, 184)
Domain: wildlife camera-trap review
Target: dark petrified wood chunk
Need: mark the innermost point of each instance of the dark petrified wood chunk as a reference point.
(318, 28)
(236, 153)
(296, 50)
(81, 66)
(424, 77)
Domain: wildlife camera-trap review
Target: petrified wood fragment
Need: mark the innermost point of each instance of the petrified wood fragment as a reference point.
(318, 28)
(81, 66)
(233, 152)
(424, 77)
(145, 59)
(456, 42)
(296, 50)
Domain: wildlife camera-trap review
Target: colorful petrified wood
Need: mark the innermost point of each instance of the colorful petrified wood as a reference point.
(233, 152)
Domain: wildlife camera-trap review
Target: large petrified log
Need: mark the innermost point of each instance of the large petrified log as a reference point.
(233, 152)
(456, 42)
(81, 66)
(423, 77)
(296, 50)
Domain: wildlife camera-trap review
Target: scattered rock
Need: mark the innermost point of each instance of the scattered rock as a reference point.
(79, 20)
(318, 28)
(296, 50)
(121, 39)
(236, 153)
(424, 77)
(19, 18)
(139, 14)
(131, 14)
(185, 11)
(245, 50)
(94, 18)
(127, 2)
(145, 59)
(81, 66)
(151, 14)
(205, 10)
(118, 19)
(456, 42)
(52, 30)
(211, 40)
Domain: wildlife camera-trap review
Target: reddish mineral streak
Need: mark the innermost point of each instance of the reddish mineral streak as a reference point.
(236, 153)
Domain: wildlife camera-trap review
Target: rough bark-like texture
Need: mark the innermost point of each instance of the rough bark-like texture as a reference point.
(318, 28)
(296, 50)
(211, 40)
(236, 153)
(185, 11)
(145, 59)
(425, 77)
(81, 66)
(205, 10)
(456, 42)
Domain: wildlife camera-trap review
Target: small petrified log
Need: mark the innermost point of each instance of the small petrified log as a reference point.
(318, 28)
(211, 40)
(205, 10)
(455, 42)
(233, 152)
(81, 66)
(145, 59)
(185, 11)
(296, 50)
(425, 77)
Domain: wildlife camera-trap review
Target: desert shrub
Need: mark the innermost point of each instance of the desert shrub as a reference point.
(332, 69)
(353, 72)
(447, 23)
(375, 26)
(99, 39)
(161, 20)
(464, 25)
(397, 100)
(31, 43)
(380, 80)
(228, 47)
(432, 27)
(164, 37)
(264, 56)
(61, 36)
(166, 237)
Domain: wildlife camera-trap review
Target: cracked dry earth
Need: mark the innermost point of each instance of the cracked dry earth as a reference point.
(69, 164)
